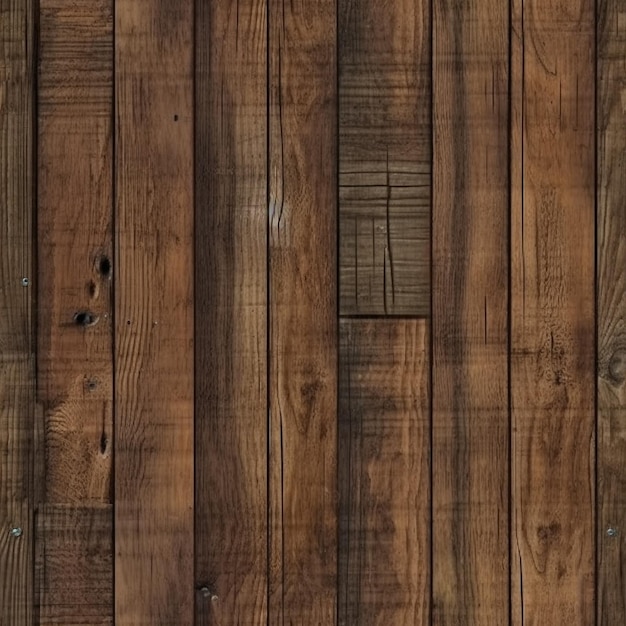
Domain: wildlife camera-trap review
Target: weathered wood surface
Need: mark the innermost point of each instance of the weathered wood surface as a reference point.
(154, 313)
(552, 308)
(384, 478)
(303, 313)
(384, 156)
(231, 318)
(470, 453)
(17, 350)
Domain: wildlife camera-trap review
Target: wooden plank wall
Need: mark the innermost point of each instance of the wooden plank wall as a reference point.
(312, 313)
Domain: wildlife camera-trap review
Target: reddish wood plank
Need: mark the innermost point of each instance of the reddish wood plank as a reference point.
(154, 312)
(611, 312)
(231, 299)
(470, 314)
(17, 363)
(384, 156)
(552, 324)
(384, 481)
(303, 313)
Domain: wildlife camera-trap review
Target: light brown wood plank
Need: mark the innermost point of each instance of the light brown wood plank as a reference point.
(74, 221)
(611, 284)
(384, 481)
(384, 156)
(303, 313)
(154, 312)
(17, 363)
(231, 298)
(552, 334)
(74, 564)
(470, 318)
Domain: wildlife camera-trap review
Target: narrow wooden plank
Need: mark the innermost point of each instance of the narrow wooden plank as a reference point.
(154, 312)
(231, 299)
(73, 565)
(384, 156)
(611, 285)
(74, 221)
(17, 363)
(303, 313)
(552, 324)
(470, 319)
(384, 482)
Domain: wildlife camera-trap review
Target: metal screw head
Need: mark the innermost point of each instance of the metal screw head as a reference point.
(16, 532)
(25, 282)
(611, 532)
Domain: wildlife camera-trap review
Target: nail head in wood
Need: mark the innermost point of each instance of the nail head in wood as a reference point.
(611, 532)
(16, 532)
(25, 282)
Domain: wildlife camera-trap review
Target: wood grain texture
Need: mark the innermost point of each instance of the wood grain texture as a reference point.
(611, 312)
(470, 277)
(384, 481)
(73, 565)
(154, 312)
(384, 156)
(75, 335)
(303, 313)
(552, 307)
(231, 319)
(17, 363)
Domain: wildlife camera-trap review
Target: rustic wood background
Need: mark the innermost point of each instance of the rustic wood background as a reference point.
(313, 312)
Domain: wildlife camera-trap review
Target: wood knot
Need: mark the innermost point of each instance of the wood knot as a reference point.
(85, 318)
(548, 534)
(104, 266)
(617, 365)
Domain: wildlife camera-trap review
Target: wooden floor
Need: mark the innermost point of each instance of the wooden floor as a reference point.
(313, 313)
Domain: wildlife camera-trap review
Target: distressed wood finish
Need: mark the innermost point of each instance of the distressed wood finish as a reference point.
(75, 336)
(73, 565)
(154, 364)
(470, 274)
(611, 225)
(384, 156)
(384, 482)
(552, 351)
(303, 313)
(17, 363)
(231, 321)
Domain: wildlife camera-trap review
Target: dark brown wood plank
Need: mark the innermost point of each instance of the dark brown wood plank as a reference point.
(17, 363)
(154, 312)
(303, 313)
(231, 300)
(384, 156)
(73, 565)
(552, 324)
(470, 277)
(74, 221)
(611, 282)
(384, 482)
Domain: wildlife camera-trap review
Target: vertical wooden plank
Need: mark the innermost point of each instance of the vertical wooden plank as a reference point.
(470, 320)
(552, 351)
(384, 156)
(154, 312)
(17, 390)
(611, 284)
(231, 300)
(74, 564)
(384, 481)
(303, 313)
(74, 377)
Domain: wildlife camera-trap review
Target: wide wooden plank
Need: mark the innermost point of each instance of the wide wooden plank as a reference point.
(303, 313)
(470, 276)
(552, 307)
(384, 156)
(154, 312)
(384, 481)
(611, 285)
(73, 565)
(17, 363)
(231, 294)
(74, 221)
